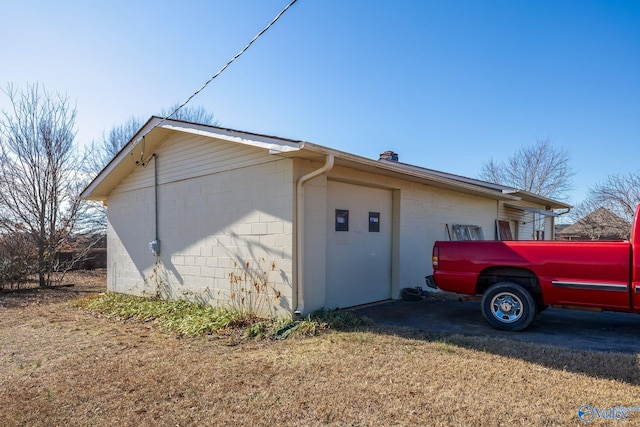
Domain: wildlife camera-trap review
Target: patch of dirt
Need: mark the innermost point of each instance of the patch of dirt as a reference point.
(76, 284)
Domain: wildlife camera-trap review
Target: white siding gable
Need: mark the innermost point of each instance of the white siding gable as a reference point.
(191, 156)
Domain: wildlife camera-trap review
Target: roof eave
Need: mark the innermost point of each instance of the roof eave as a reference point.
(154, 132)
(535, 198)
(414, 172)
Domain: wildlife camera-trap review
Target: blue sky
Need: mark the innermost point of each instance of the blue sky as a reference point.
(446, 84)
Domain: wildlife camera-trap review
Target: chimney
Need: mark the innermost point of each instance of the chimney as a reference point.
(389, 155)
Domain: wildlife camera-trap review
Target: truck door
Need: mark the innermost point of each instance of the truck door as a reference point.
(590, 274)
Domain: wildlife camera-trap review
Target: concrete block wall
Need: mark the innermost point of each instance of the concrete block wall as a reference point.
(420, 215)
(129, 230)
(425, 213)
(223, 205)
(232, 221)
(248, 221)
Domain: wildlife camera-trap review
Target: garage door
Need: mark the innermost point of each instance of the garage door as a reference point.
(358, 245)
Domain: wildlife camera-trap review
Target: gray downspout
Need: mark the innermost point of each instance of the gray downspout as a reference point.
(155, 189)
(300, 230)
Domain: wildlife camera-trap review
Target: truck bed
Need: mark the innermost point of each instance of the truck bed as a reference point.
(568, 273)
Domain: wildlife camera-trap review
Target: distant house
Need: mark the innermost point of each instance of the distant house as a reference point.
(193, 208)
(601, 224)
(84, 254)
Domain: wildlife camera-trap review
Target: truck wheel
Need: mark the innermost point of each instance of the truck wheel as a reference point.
(508, 306)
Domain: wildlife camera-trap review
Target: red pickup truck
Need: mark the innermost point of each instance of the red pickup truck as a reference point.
(518, 279)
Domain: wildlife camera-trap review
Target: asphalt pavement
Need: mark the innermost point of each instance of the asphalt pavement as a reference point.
(441, 313)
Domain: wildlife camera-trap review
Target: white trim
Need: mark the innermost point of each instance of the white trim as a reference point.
(532, 210)
(274, 145)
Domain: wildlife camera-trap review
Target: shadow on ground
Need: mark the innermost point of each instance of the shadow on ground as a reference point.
(576, 341)
(77, 284)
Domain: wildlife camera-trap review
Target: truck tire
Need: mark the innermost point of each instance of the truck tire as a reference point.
(411, 294)
(508, 306)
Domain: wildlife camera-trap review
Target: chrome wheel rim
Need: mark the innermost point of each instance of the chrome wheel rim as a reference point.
(506, 307)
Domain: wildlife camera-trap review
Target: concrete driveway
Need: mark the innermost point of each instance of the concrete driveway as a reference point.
(582, 330)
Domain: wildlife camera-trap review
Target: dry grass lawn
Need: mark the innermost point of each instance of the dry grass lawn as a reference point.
(62, 366)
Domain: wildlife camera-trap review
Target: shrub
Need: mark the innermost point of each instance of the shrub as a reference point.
(17, 259)
(191, 319)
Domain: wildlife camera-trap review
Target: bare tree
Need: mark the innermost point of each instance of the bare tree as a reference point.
(618, 193)
(39, 182)
(103, 151)
(540, 169)
(190, 114)
(117, 137)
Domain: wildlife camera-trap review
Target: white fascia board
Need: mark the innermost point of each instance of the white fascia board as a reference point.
(471, 185)
(274, 145)
(504, 189)
(124, 152)
(98, 179)
(535, 198)
(532, 210)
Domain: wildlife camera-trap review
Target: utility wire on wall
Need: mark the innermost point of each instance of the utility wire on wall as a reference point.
(237, 55)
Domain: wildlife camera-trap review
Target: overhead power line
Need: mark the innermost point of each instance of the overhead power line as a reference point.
(236, 56)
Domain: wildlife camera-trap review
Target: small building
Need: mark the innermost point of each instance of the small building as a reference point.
(601, 224)
(204, 212)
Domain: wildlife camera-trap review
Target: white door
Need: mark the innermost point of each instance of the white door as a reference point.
(358, 245)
